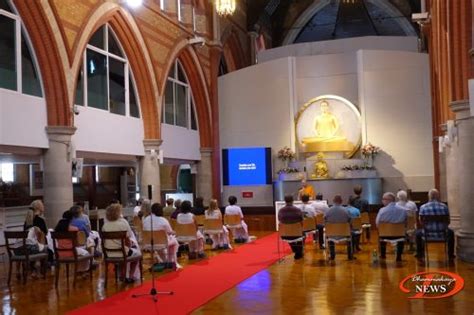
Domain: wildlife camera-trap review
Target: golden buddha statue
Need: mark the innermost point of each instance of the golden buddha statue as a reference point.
(321, 170)
(326, 127)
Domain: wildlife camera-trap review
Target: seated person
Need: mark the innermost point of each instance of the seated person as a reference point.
(434, 207)
(196, 247)
(241, 234)
(34, 217)
(290, 214)
(360, 203)
(116, 223)
(307, 209)
(391, 213)
(160, 223)
(219, 240)
(408, 205)
(78, 221)
(338, 214)
(137, 208)
(306, 189)
(354, 213)
(64, 225)
(177, 208)
(169, 209)
(320, 207)
(198, 208)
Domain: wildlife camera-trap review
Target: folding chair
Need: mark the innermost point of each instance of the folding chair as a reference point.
(291, 230)
(338, 233)
(391, 233)
(428, 220)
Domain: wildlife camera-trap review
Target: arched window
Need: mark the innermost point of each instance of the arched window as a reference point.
(178, 106)
(108, 83)
(17, 67)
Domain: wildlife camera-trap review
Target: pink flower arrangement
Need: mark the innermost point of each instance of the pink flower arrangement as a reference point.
(286, 154)
(370, 150)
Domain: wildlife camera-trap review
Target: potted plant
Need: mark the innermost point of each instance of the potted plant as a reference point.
(369, 151)
(287, 155)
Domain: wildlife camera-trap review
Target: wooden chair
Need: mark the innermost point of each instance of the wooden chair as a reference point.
(338, 233)
(366, 225)
(14, 240)
(64, 244)
(81, 238)
(233, 222)
(213, 226)
(138, 226)
(391, 233)
(425, 221)
(117, 255)
(200, 219)
(160, 241)
(411, 230)
(320, 218)
(309, 225)
(186, 233)
(173, 224)
(290, 230)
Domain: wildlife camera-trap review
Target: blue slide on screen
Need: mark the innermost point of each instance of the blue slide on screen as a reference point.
(246, 166)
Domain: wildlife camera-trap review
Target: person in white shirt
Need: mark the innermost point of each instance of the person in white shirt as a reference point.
(241, 234)
(406, 204)
(160, 223)
(137, 208)
(219, 240)
(306, 207)
(196, 247)
(320, 207)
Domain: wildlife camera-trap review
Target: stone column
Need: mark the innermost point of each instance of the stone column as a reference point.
(57, 173)
(204, 176)
(452, 181)
(465, 163)
(150, 170)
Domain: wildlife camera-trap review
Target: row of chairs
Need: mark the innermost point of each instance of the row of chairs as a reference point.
(342, 232)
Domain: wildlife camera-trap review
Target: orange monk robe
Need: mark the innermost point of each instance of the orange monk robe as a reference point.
(308, 190)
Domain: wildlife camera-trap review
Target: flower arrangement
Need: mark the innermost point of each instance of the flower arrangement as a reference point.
(288, 170)
(370, 150)
(286, 154)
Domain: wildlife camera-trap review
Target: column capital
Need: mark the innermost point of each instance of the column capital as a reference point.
(206, 151)
(60, 133)
(460, 108)
(152, 144)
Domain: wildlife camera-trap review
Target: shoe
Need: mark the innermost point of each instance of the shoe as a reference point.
(298, 256)
(225, 246)
(322, 247)
(352, 258)
(192, 255)
(358, 249)
(202, 255)
(129, 280)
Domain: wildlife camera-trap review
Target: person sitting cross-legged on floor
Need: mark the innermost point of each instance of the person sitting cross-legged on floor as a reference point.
(338, 214)
(437, 208)
(391, 213)
(290, 214)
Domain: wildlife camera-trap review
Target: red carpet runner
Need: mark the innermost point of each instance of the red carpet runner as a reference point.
(194, 285)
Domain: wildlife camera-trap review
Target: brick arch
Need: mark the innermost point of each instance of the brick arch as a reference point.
(137, 54)
(50, 63)
(195, 74)
(232, 50)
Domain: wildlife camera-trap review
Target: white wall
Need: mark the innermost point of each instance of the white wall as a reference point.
(395, 100)
(100, 131)
(180, 143)
(391, 88)
(352, 45)
(22, 120)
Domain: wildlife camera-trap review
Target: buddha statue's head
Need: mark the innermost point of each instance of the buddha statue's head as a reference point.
(324, 107)
(320, 156)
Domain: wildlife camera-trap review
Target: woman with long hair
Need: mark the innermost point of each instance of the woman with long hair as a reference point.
(220, 240)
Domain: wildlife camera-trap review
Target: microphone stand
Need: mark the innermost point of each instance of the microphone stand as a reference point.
(153, 292)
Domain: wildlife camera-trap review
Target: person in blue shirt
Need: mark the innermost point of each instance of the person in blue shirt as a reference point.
(354, 213)
(78, 221)
(391, 213)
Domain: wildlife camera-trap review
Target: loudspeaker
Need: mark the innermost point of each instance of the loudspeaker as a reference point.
(150, 192)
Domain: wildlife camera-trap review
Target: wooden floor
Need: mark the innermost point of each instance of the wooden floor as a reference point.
(308, 286)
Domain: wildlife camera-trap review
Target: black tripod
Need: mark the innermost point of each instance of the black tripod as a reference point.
(153, 292)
